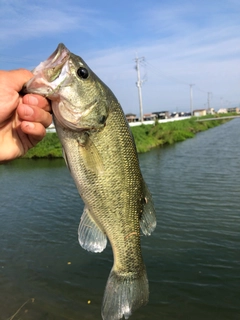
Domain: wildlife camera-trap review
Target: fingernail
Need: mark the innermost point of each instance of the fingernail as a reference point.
(32, 100)
(28, 111)
(29, 125)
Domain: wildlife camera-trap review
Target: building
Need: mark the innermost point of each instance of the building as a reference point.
(222, 110)
(233, 110)
(162, 114)
(149, 116)
(199, 112)
(131, 117)
(210, 111)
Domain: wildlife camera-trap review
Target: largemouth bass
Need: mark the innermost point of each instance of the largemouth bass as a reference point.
(100, 153)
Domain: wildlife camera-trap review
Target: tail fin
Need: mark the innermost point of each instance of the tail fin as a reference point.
(124, 294)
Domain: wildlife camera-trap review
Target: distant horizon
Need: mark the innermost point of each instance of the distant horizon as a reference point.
(184, 111)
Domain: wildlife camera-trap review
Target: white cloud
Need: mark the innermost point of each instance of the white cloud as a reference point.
(26, 20)
(171, 67)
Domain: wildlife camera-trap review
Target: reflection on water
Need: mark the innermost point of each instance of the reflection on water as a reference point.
(192, 258)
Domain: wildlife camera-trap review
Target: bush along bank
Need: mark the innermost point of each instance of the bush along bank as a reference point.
(146, 136)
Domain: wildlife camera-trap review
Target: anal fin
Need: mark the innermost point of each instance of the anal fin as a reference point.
(148, 220)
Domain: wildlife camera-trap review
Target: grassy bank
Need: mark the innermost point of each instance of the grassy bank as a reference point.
(146, 136)
(49, 147)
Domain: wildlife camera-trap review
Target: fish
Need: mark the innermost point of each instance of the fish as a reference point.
(100, 152)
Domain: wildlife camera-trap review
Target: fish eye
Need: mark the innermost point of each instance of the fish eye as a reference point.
(82, 73)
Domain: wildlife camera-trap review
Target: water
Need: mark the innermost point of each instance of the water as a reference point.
(193, 257)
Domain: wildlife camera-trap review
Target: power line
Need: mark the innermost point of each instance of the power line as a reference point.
(155, 70)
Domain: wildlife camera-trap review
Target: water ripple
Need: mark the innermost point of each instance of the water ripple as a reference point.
(192, 258)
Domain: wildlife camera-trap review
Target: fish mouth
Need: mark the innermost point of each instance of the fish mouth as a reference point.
(49, 74)
(49, 79)
(54, 63)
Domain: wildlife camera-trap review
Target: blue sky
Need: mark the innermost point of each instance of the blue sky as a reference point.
(183, 42)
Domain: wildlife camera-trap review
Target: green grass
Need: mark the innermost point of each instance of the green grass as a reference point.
(149, 136)
(146, 136)
(49, 147)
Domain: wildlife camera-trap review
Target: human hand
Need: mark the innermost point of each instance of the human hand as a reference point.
(23, 120)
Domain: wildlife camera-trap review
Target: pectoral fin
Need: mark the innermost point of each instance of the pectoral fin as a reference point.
(148, 219)
(90, 155)
(66, 159)
(90, 236)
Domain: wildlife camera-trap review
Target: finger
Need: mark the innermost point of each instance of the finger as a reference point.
(37, 100)
(20, 77)
(34, 114)
(35, 131)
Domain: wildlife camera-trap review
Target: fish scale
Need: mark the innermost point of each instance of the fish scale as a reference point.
(100, 153)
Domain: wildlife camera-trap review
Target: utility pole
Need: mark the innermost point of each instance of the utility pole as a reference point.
(139, 85)
(209, 94)
(191, 99)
